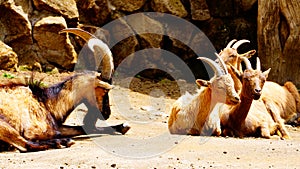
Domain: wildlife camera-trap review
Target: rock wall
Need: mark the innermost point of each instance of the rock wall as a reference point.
(29, 29)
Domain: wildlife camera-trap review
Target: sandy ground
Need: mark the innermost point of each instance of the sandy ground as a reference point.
(149, 145)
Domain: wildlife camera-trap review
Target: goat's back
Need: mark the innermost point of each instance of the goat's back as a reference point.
(283, 99)
(22, 111)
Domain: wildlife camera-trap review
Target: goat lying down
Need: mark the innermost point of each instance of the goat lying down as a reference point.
(283, 105)
(189, 114)
(250, 117)
(32, 116)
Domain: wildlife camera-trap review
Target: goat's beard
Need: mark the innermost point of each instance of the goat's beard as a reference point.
(105, 107)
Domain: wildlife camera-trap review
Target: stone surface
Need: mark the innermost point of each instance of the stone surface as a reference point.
(8, 58)
(199, 10)
(221, 8)
(53, 47)
(66, 8)
(123, 41)
(127, 5)
(247, 4)
(174, 7)
(149, 30)
(95, 12)
(15, 28)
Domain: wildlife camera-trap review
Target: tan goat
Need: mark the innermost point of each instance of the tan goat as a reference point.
(190, 112)
(250, 117)
(32, 116)
(282, 102)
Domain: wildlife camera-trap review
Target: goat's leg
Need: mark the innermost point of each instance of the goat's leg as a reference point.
(71, 131)
(274, 112)
(11, 136)
(265, 131)
(58, 142)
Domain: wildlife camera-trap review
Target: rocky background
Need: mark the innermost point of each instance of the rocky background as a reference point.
(29, 29)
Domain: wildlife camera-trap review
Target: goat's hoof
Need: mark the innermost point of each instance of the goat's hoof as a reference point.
(286, 137)
(125, 128)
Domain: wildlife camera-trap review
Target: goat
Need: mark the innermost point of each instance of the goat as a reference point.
(231, 57)
(283, 105)
(250, 117)
(32, 116)
(190, 112)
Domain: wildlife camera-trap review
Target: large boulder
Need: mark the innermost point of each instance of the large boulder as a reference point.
(127, 5)
(247, 4)
(123, 41)
(149, 30)
(53, 47)
(8, 58)
(222, 8)
(174, 7)
(66, 8)
(15, 28)
(95, 12)
(199, 10)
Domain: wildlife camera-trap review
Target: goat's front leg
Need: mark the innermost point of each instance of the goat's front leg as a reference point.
(71, 131)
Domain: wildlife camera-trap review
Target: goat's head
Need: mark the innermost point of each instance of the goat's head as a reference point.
(253, 80)
(221, 85)
(230, 54)
(103, 56)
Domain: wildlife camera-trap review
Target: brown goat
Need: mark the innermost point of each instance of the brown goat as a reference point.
(282, 102)
(190, 113)
(31, 116)
(250, 117)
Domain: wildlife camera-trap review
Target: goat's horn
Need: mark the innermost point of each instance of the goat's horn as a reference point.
(222, 63)
(79, 32)
(230, 43)
(217, 70)
(258, 66)
(239, 43)
(97, 46)
(247, 63)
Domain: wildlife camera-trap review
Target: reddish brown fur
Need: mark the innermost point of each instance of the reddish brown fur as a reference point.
(250, 116)
(280, 101)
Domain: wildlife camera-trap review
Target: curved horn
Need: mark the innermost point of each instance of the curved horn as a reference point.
(230, 43)
(222, 63)
(239, 43)
(97, 46)
(247, 63)
(258, 66)
(217, 70)
(79, 32)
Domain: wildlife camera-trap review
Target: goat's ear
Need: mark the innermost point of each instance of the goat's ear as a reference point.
(107, 86)
(266, 73)
(235, 71)
(248, 54)
(201, 82)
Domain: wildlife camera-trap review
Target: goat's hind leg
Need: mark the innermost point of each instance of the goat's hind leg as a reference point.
(11, 136)
(274, 112)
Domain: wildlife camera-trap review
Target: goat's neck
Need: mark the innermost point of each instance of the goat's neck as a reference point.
(239, 112)
(205, 106)
(62, 103)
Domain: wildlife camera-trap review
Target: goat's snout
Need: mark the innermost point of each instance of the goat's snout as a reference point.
(257, 91)
(237, 98)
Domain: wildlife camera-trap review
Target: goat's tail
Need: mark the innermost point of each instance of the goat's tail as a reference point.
(294, 91)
